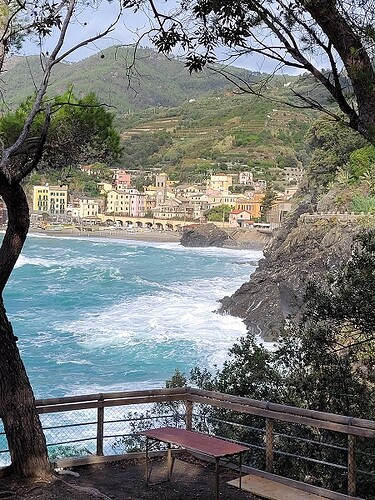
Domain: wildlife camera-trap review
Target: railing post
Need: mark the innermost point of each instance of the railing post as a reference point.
(269, 444)
(188, 415)
(352, 485)
(100, 427)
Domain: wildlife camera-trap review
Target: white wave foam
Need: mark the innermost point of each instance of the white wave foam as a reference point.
(33, 261)
(168, 320)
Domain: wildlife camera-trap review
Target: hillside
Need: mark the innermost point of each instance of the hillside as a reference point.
(154, 80)
(216, 132)
(181, 123)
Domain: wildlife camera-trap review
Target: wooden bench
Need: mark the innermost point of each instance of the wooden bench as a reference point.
(194, 442)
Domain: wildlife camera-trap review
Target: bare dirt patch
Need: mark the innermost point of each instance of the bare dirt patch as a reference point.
(192, 479)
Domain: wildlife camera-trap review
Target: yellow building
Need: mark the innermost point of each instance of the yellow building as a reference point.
(129, 202)
(219, 182)
(104, 187)
(50, 199)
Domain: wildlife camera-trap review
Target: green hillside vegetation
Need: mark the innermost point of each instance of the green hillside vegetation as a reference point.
(153, 82)
(187, 125)
(224, 131)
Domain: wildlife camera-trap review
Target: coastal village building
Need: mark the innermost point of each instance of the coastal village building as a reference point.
(219, 182)
(129, 202)
(189, 190)
(240, 218)
(121, 180)
(156, 196)
(88, 169)
(260, 185)
(174, 208)
(96, 169)
(289, 192)
(293, 175)
(278, 211)
(150, 203)
(200, 204)
(251, 205)
(245, 178)
(281, 206)
(50, 199)
(84, 208)
(104, 187)
(151, 192)
(161, 185)
(223, 199)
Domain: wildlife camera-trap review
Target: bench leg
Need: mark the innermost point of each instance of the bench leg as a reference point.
(147, 473)
(240, 471)
(170, 462)
(217, 478)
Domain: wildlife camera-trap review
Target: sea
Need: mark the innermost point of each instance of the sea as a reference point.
(95, 314)
(100, 315)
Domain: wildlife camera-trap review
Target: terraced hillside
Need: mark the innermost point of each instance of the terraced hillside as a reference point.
(225, 128)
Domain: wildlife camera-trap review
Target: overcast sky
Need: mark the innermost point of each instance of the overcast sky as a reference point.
(127, 31)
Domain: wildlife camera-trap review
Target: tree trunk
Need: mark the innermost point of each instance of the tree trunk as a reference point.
(27, 444)
(22, 426)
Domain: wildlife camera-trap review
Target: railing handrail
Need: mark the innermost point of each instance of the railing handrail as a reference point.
(277, 408)
(331, 421)
(109, 395)
(270, 412)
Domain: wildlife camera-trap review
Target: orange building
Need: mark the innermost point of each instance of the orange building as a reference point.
(251, 205)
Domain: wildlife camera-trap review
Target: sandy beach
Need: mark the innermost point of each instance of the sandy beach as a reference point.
(241, 240)
(150, 235)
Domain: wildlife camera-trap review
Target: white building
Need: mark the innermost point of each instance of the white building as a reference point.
(245, 178)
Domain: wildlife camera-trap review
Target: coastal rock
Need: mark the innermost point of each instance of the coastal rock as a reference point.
(203, 235)
(306, 252)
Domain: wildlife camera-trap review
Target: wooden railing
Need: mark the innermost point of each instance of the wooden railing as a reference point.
(193, 400)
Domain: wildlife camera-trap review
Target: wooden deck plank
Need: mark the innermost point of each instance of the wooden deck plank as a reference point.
(265, 488)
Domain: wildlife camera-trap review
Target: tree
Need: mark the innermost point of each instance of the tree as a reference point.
(296, 34)
(32, 136)
(330, 147)
(325, 363)
(268, 201)
(218, 214)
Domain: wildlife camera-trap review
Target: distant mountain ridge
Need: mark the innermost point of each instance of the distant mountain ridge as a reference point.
(153, 81)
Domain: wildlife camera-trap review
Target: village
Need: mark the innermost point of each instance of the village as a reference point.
(163, 204)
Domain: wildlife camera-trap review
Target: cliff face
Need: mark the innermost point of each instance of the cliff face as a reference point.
(314, 247)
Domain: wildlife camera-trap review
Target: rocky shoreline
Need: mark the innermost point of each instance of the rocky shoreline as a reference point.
(307, 252)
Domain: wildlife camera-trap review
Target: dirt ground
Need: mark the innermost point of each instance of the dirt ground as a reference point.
(192, 479)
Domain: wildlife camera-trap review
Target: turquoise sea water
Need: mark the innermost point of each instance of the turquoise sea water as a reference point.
(100, 315)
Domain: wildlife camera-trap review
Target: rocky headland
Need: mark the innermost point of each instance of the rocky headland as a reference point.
(308, 249)
(210, 235)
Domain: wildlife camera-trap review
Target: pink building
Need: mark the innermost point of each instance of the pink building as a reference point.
(122, 180)
(137, 203)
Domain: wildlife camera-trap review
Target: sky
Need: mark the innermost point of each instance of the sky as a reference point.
(127, 31)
